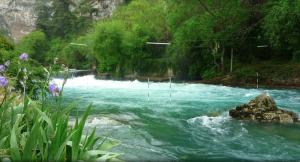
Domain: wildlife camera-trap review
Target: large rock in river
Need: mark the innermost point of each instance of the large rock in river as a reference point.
(263, 108)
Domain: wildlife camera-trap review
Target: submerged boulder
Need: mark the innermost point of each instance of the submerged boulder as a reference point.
(263, 109)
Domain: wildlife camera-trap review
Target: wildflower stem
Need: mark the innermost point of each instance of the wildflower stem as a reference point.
(12, 116)
(4, 98)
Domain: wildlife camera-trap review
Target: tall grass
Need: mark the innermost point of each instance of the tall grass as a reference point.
(40, 130)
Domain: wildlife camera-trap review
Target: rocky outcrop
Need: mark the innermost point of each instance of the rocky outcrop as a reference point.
(100, 8)
(18, 17)
(4, 29)
(263, 109)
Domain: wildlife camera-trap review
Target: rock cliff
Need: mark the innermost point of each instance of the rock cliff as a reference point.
(18, 17)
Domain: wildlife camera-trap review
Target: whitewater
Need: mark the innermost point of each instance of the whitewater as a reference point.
(183, 122)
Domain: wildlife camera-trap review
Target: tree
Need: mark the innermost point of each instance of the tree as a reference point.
(55, 18)
(35, 44)
(204, 27)
(120, 43)
(281, 27)
(44, 11)
(108, 47)
(63, 19)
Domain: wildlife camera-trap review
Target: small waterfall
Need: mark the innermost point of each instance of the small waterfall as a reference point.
(73, 73)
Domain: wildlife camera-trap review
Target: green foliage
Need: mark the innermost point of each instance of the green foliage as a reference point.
(55, 49)
(5, 44)
(202, 31)
(75, 56)
(45, 136)
(62, 19)
(120, 43)
(57, 20)
(108, 47)
(6, 47)
(202, 34)
(43, 10)
(210, 73)
(18, 70)
(281, 26)
(40, 130)
(35, 44)
(246, 74)
(147, 15)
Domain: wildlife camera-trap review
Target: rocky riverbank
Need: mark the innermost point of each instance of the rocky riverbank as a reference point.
(229, 80)
(263, 109)
(268, 74)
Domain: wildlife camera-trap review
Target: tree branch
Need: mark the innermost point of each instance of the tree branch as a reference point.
(204, 6)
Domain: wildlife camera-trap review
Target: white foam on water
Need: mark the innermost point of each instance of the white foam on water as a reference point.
(89, 81)
(102, 121)
(213, 123)
(252, 94)
(98, 122)
(124, 117)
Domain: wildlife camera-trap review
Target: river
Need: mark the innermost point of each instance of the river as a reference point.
(184, 122)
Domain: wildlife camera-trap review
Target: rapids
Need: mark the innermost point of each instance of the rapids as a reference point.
(185, 122)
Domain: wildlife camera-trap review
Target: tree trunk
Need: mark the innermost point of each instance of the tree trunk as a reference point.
(215, 51)
(222, 59)
(231, 60)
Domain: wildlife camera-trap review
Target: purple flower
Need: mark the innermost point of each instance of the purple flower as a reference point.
(2, 68)
(54, 90)
(24, 57)
(3, 82)
(7, 63)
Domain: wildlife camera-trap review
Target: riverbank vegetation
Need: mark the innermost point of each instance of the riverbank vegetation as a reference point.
(208, 38)
(36, 126)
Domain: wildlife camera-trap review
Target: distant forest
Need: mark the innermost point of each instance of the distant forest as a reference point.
(208, 38)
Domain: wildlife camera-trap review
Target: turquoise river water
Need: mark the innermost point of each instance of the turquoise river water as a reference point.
(187, 122)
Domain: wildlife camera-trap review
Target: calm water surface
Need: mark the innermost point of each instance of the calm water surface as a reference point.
(187, 122)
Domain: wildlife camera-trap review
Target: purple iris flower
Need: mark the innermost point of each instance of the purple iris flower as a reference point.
(2, 68)
(24, 57)
(54, 90)
(3, 82)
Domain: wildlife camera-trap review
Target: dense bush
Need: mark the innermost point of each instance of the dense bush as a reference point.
(210, 73)
(246, 74)
(35, 44)
(281, 27)
(5, 44)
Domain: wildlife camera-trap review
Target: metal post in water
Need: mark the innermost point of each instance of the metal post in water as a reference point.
(148, 89)
(170, 78)
(257, 80)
